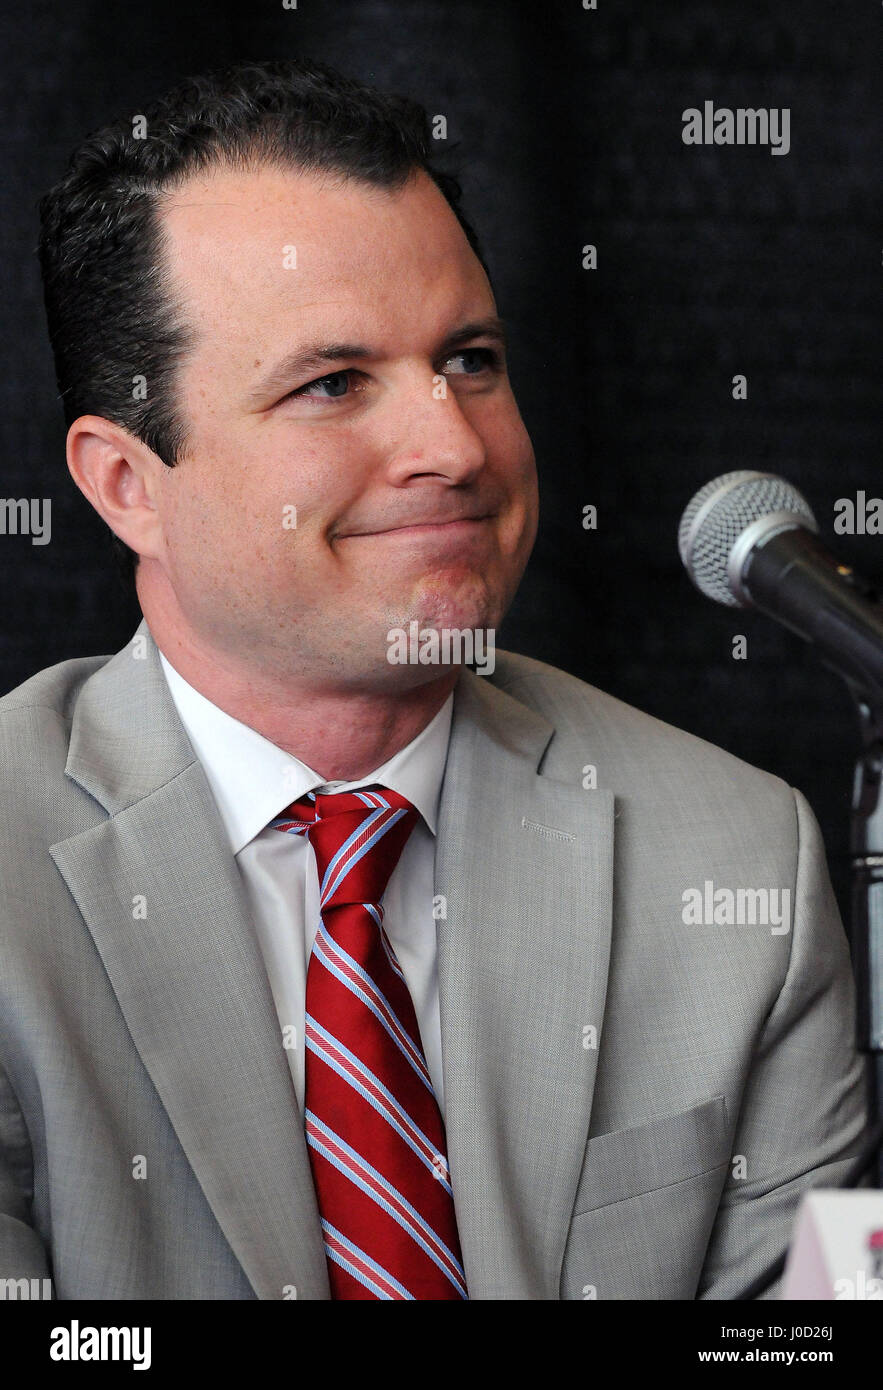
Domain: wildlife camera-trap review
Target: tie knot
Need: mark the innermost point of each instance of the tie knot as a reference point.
(357, 837)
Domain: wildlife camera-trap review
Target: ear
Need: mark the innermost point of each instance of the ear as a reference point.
(120, 476)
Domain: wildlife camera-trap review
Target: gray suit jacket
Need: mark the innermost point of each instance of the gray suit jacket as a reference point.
(634, 1105)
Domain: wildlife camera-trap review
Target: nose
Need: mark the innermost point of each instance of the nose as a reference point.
(432, 437)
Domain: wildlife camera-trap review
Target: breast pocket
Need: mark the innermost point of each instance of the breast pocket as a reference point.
(645, 1204)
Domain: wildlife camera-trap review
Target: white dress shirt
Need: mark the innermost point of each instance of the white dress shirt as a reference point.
(252, 781)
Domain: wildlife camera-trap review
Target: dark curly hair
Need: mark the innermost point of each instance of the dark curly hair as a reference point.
(111, 319)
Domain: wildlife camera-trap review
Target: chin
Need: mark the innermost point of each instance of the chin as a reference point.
(467, 604)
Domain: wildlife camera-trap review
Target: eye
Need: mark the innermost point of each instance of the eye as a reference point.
(477, 360)
(336, 384)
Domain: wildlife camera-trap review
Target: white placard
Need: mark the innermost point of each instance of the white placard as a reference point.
(837, 1248)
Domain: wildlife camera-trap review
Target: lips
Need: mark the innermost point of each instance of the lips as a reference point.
(417, 528)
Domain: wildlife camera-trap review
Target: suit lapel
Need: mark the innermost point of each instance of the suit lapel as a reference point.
(524, 864)
(188, 973)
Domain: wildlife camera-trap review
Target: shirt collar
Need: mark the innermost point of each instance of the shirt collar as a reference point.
(252, 780)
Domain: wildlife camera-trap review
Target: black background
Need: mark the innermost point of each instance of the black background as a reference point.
(712, 261)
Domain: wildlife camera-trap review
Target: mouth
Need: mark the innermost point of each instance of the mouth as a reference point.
(460, 527)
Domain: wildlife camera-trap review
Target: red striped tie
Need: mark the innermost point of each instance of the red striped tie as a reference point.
(374, 1130)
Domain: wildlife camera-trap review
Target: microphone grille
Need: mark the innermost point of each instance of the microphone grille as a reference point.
(718, 514)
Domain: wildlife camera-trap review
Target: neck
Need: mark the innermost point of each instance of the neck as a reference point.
(342, 734)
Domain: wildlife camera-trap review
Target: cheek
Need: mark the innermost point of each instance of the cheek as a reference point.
(508, 441)
(522, 515)
(514, 465)
(320, 478)
(214, 532)
(193, 521)
(247, 507)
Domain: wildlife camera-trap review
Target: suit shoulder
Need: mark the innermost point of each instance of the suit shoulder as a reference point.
(629, 745)
(39, 804)
(54, 688)
(36, 715)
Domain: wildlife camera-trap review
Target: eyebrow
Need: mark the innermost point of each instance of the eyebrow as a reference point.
(318, 355)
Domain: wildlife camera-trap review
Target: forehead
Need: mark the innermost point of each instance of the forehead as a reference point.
(246, 249)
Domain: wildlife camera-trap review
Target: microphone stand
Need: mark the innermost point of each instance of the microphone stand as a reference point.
(866, 937)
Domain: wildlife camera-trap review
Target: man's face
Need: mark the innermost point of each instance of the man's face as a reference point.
(320, 503)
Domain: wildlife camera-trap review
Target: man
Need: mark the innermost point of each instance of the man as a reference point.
(332, 975)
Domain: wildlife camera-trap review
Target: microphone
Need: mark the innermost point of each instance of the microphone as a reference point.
(750, 540)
